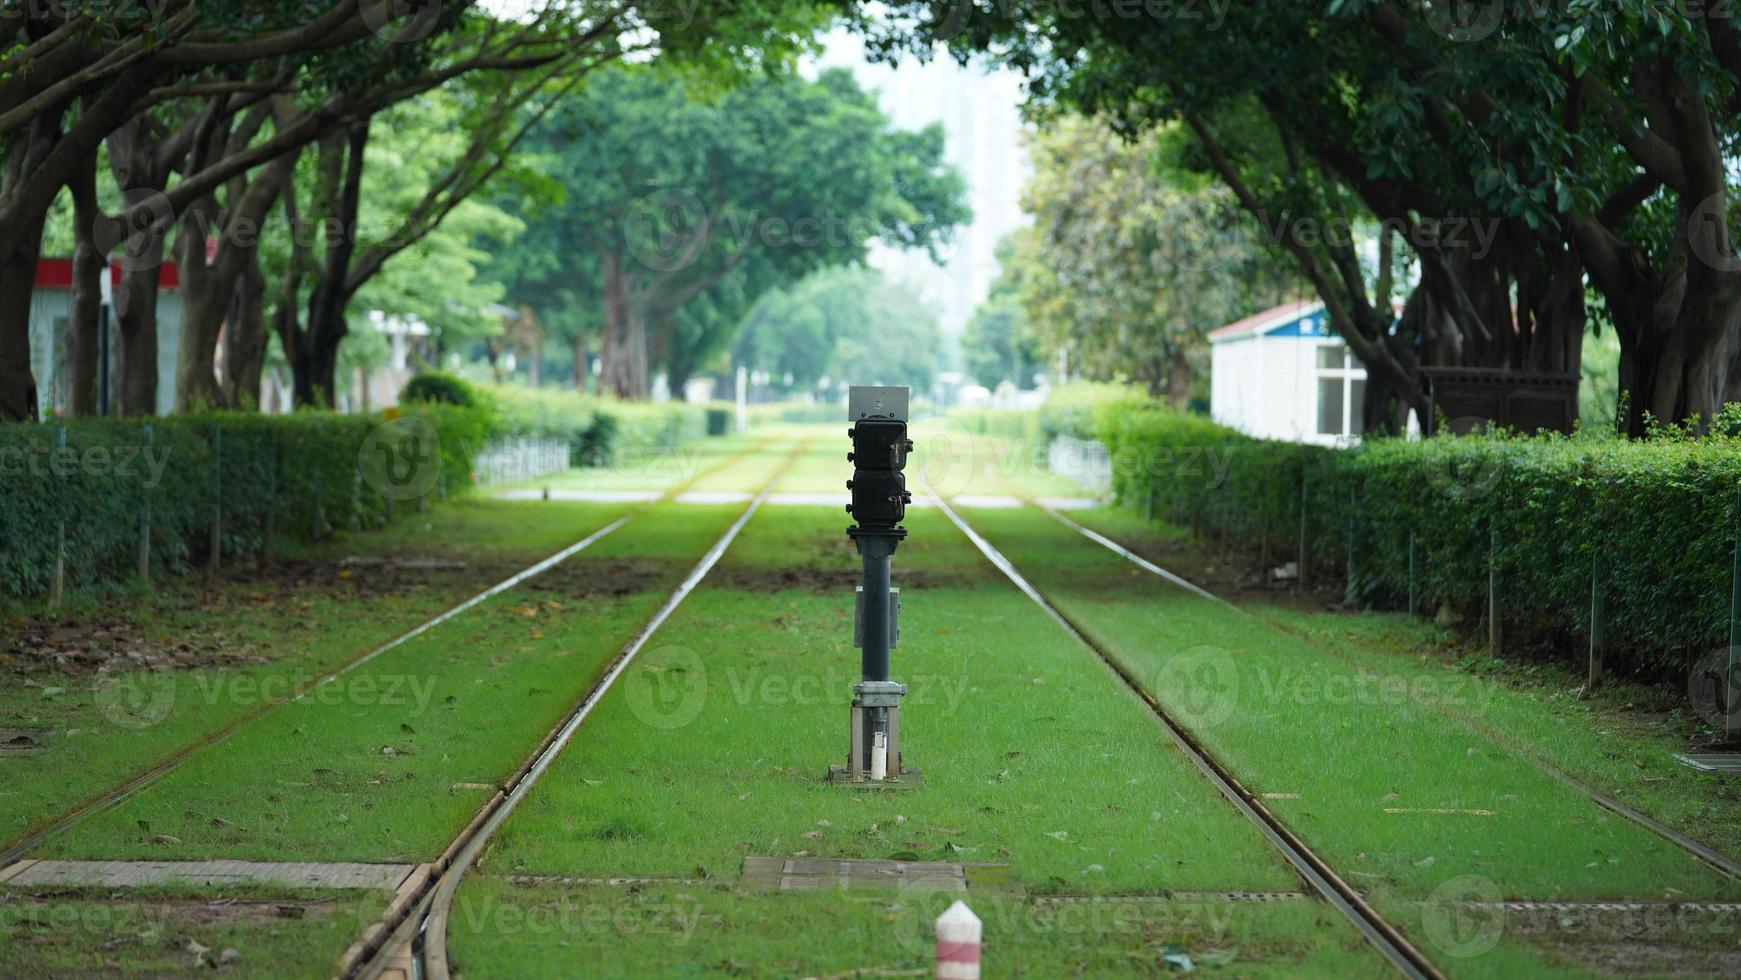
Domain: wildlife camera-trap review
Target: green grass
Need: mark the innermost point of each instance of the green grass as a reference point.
(650, 469)
(177, 932)
(714, 744)
(504, 930)
(248, 639)
(1361, 758)
(391, 761)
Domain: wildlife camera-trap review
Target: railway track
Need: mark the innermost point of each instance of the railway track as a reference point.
(1715, 859)
(411, 939)
(1314, 870)
(123, 790)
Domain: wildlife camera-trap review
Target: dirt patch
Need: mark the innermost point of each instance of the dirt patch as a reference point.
(41, 909)
(48, 646)
(581, 578)
(835, 580)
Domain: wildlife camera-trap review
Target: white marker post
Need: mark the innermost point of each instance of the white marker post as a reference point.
(958, 932)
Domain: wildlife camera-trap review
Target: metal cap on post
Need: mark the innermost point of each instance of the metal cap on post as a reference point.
(879, 504)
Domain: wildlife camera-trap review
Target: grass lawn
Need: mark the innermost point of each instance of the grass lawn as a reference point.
(1357, 758)
(713, 747)
(391, 761)
(200, 656)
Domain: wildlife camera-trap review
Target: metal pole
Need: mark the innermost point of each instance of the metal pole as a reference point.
(1732, 719)
(1351, 595)
(1493, 634)
(1414, 579)
(271, 522)
(1302, 529)
(217, 497)
(874, 659)
(145, 515)
(57, 578)
(1596, 625)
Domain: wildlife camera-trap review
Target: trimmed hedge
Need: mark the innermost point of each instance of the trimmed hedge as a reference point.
(297, 477)
(1663, 516)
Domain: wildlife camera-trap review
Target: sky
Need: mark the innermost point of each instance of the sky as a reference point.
(980, 113)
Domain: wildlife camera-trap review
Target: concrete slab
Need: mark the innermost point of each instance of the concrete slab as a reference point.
(138, 874)
(795, 874)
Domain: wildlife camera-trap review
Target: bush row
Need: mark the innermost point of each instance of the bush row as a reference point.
(1661, 518)
(88, 489)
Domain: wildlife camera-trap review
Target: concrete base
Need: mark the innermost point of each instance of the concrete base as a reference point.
(908, 779)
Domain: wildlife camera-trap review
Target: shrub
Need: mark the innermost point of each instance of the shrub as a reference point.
(441, 388)
(1663, 517)
(298, 476)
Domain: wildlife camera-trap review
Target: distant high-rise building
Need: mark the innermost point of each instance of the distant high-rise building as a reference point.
(979, 110)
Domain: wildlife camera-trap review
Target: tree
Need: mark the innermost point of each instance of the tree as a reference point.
(1143, 259)
(844, 323)
(999, 343)
(1585, 140)
(672, 193)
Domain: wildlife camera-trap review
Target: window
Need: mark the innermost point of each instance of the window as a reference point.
(1341, 391)
(1329, 406)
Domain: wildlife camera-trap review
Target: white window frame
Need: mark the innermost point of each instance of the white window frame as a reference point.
(1347, 375)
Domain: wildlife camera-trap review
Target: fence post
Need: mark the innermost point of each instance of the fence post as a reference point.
(1302, 570)
(1597, 613)
(1351, 595)
(1414, 578)
(1494, 638)
(271, 527)
(57, 577)
(150, 433)
(217, 498)
(1732, 721)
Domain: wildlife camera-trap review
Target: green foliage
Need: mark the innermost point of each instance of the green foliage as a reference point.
(999, 342)
(1540, 508)
(439, 387)
(297, 473)
(844, 323)
(1074, 409)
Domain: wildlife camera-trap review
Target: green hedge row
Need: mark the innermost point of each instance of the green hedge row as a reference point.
(1661, 516)
(90, 488)
(296, 477)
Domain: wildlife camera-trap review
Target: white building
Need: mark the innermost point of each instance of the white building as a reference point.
(51, 306)
(1282, 375)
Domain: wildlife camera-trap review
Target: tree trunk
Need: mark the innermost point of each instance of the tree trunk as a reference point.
(82, 320)
(136, 332)
(582, 368)
(245, 336)
(18, 402)
(202, 316)
(1178, 381)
